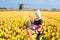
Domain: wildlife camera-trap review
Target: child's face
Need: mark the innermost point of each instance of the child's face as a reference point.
(37, 16)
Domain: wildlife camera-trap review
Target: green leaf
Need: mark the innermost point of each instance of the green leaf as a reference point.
(27, 23)
(25, 38)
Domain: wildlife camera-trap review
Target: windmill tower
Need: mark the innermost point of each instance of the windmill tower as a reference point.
(21, 6)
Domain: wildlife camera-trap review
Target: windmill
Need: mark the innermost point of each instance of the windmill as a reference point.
(21, 6)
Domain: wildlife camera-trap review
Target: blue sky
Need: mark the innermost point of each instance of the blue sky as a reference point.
(43, 4)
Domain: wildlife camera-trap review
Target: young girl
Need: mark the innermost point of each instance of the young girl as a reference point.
(37, 24)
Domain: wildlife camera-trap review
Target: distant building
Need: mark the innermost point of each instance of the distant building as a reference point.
(21, 6)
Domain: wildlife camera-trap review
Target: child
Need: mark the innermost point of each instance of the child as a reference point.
(37, 25)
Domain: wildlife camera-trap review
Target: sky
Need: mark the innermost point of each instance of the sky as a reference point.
(31, 4)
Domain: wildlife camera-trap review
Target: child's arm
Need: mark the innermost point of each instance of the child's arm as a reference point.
(31, 20)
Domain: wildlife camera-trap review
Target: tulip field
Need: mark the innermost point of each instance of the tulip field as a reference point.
(13, 25)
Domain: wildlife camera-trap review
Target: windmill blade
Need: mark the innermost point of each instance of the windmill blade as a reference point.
(26, 6)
